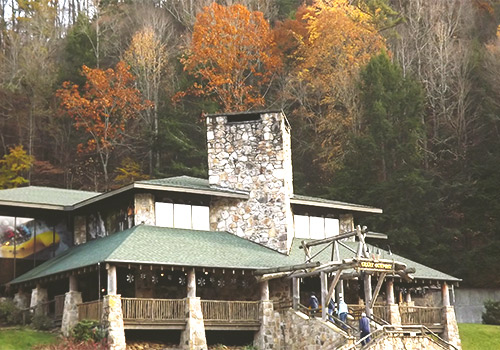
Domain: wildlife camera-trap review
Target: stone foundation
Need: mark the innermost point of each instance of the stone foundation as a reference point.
(39, 299)
(269, 334)
(112, 321)
(450, 333)
(408, 343)
(193, 337)
(394, 314)
(21, 300)
(302, 333)
(70, 313)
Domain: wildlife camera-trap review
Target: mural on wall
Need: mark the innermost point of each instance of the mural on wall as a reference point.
(27, 238)
(103, 223)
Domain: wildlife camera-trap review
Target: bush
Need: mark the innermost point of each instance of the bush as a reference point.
(10, 313)
(492, 314)
(42, 322)
(86, 330)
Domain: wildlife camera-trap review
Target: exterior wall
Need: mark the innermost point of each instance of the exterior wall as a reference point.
(312, 334)
(409, 343)
(253, 156)
(469, 303)
(144, 204)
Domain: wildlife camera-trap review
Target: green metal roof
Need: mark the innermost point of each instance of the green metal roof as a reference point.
(43, 197)
(178, 247)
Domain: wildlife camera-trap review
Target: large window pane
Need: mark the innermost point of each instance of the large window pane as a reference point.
(201, 220)
(164, 214)
(182, 216)
(301, 226)
(317, 227)
(331, 227)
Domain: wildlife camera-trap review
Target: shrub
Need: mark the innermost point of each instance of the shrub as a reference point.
(86, 330)
(10, 313)
(492, 314)
(42, 322)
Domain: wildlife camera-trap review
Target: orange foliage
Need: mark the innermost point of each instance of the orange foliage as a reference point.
(109, 99)
(233, 56)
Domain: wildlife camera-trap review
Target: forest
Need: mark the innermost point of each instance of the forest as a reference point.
(392, 103)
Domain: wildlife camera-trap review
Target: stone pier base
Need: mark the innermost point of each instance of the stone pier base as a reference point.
(70, 313)
(193, 337)
(394, 314)
(112, 321)
(450, 333)
(268, 336)
(39, 299)
(21, 300)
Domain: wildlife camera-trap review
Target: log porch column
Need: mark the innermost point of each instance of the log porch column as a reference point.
(394, 314)
(193, 337)
(324, 294)
(70, 312)
(112, 316)
(296, 293)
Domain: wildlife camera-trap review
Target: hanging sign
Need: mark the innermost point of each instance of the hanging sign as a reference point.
(376, 265)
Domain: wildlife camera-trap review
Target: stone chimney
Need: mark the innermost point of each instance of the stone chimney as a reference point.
(251, 152)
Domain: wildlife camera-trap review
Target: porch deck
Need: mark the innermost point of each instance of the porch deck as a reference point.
(142, 313)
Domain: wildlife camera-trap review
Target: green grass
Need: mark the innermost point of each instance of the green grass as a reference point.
(479, 336)
(23, 338)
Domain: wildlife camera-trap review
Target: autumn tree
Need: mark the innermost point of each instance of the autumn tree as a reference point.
(102, 108)
(232, 55)
(321, 86)
(148, 57)
(12, 167)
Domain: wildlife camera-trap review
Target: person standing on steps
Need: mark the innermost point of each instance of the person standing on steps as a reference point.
(331, 307)
(364, 327)
(343, 310)
(313, 304)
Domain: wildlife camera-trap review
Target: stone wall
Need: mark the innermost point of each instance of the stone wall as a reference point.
(301, 333)
(269, 334)
(112, 321)
(193, 337)
(397, 342)
(469, 303)
(144, 205)
(253, 156)
(70, 313)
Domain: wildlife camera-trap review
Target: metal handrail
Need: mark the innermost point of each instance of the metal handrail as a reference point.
(395, 329)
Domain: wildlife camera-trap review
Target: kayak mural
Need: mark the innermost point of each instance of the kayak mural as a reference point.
(27, 238)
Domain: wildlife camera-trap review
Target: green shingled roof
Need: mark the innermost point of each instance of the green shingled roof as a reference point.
(421, 271)
(213, 249)
(188, 182)
(166, 246)
(44, 196)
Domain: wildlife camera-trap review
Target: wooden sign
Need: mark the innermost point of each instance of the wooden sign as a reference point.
(376, 265)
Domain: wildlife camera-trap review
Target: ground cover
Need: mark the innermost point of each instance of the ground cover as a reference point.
(479, 336)
(23, 338)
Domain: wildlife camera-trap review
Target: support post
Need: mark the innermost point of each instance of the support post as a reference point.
(368, 294)
(264, 291)
(324, 295)
(111, 279)
(394, 314)
(39, 299)
(445, 293)
(296, 293)
(389, 291)
(377, 289)
(70, 312)
(193, 337)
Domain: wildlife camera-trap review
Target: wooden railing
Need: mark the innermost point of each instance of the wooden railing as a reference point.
(58, 306)
(411, 315)
(230, 311)
(91, 310)
(381, 311)
(153, 309)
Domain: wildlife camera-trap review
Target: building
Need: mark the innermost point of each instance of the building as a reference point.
(236, 251)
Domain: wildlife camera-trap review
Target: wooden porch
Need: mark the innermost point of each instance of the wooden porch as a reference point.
(146, 313)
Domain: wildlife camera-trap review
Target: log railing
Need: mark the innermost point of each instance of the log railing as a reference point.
(58, 306)
(91, 310)
(153, 309)
(411, 315)
(230, 311)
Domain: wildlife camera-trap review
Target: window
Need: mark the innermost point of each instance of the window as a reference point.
(184, 216)
(315, 227)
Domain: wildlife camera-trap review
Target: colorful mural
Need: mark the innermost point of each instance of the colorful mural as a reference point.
(27, 238)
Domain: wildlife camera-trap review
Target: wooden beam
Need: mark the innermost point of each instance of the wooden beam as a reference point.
(332, 286)
(315, 242)
(287, 268)
(377, 288)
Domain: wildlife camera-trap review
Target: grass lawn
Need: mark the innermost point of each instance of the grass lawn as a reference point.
(23, 338)
(479, 336)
